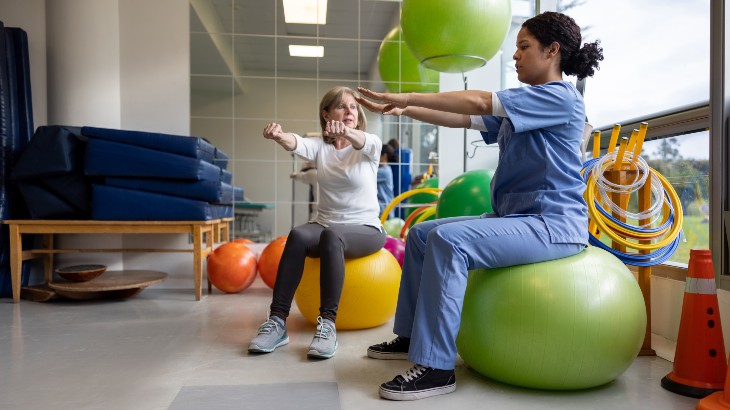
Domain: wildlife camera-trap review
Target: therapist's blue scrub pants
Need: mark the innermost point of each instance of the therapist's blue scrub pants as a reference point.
(438, 256)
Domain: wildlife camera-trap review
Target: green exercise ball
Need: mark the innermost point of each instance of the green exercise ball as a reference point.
(393, 226)
(412, 77)
(565, 324)
(422, 199)
(467, 194)
(455, 36)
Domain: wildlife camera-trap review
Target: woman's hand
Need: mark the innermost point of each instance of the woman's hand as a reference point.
(394, 99)
(335, 129)
(385, 109)
(274, 132)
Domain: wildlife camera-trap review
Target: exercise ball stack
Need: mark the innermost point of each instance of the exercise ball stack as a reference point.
(566, 324)
(455, 36)
(400, 70)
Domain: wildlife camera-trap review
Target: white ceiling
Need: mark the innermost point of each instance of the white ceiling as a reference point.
(250, 37)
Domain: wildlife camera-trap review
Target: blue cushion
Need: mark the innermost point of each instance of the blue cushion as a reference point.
(221, 158)
(183, 145)
(120, 204)
(112, 159)
(53, 150)
(209, 191)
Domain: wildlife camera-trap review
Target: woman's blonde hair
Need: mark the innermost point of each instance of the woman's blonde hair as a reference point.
(331, 99)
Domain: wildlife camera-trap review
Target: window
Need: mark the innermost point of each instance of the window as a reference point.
(645, 78)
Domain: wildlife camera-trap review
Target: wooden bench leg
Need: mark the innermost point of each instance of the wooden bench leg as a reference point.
(47, 241)
(198, 260)
(16, 261)
(210, 243)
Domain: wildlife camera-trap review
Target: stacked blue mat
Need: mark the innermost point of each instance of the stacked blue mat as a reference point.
(16, 129)
(162, 177)
(108, 174)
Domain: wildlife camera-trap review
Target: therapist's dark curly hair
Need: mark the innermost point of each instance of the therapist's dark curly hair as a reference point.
(550, 26)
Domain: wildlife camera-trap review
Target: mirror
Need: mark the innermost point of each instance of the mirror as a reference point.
(242, 78)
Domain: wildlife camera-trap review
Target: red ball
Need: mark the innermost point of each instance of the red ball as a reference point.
(269, 260)
(232, 267)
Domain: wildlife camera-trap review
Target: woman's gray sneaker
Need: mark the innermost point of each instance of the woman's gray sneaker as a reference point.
(272, 334)
(324, 343)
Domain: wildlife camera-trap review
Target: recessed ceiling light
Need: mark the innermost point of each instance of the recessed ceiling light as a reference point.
(306, 51)
(305, 11)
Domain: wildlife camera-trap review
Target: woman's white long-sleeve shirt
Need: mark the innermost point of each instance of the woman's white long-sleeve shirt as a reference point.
(347, 180)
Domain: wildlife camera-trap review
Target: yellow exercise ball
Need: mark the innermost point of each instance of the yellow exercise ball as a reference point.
(369, 294)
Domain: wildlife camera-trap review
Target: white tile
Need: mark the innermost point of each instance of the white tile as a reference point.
(139, 354)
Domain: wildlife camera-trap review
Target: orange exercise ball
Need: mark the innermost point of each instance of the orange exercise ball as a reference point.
(269, 260)
(232, 267)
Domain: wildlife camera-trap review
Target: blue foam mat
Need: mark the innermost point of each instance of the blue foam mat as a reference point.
(113, 159)
(178, 144)
(209, 191)
(120, 204)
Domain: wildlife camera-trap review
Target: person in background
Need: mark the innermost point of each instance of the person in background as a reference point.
(394, 144)
(308, 175)
(385, 178)
(347, 223)
(537, 196)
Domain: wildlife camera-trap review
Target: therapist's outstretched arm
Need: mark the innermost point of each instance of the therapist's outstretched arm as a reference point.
(435, 117)
(468, 102)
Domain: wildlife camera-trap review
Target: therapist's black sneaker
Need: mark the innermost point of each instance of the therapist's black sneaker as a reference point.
(395, 349)
(419, 382)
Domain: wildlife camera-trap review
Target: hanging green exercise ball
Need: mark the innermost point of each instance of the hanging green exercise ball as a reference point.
(412, 77)
(468, 194)
(455, 36)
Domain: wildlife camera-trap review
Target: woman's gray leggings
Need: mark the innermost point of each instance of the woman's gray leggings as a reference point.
(332, 245)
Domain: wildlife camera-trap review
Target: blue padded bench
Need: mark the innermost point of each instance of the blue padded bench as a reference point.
(209, 191)
(113, 159)
(119, 204)
(193, 147)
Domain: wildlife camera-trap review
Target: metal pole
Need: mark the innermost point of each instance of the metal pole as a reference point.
(293, 169)
(466, 149)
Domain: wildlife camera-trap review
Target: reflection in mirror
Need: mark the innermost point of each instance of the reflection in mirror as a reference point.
(242, 77)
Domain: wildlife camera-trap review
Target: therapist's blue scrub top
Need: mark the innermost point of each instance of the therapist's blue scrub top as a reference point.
(539, 158)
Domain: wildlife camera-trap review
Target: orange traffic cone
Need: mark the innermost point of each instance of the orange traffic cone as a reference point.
(700, 363)
(719, 400)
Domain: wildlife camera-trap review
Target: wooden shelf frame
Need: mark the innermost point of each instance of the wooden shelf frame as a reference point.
(204, 233)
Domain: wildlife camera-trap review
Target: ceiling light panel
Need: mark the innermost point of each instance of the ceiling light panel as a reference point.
(305, 11)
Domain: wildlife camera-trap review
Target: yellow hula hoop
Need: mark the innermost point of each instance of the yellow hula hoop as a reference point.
(423, 213)
(595, 214)
(611, 228)
(407, 194)
(632, 233)
(409, 221)
(426, 214)
(676, 227)
(590, 196)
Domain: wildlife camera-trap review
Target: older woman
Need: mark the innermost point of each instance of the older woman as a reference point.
(347, 224)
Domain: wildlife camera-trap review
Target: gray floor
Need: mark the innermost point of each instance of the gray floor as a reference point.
(161, 349)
